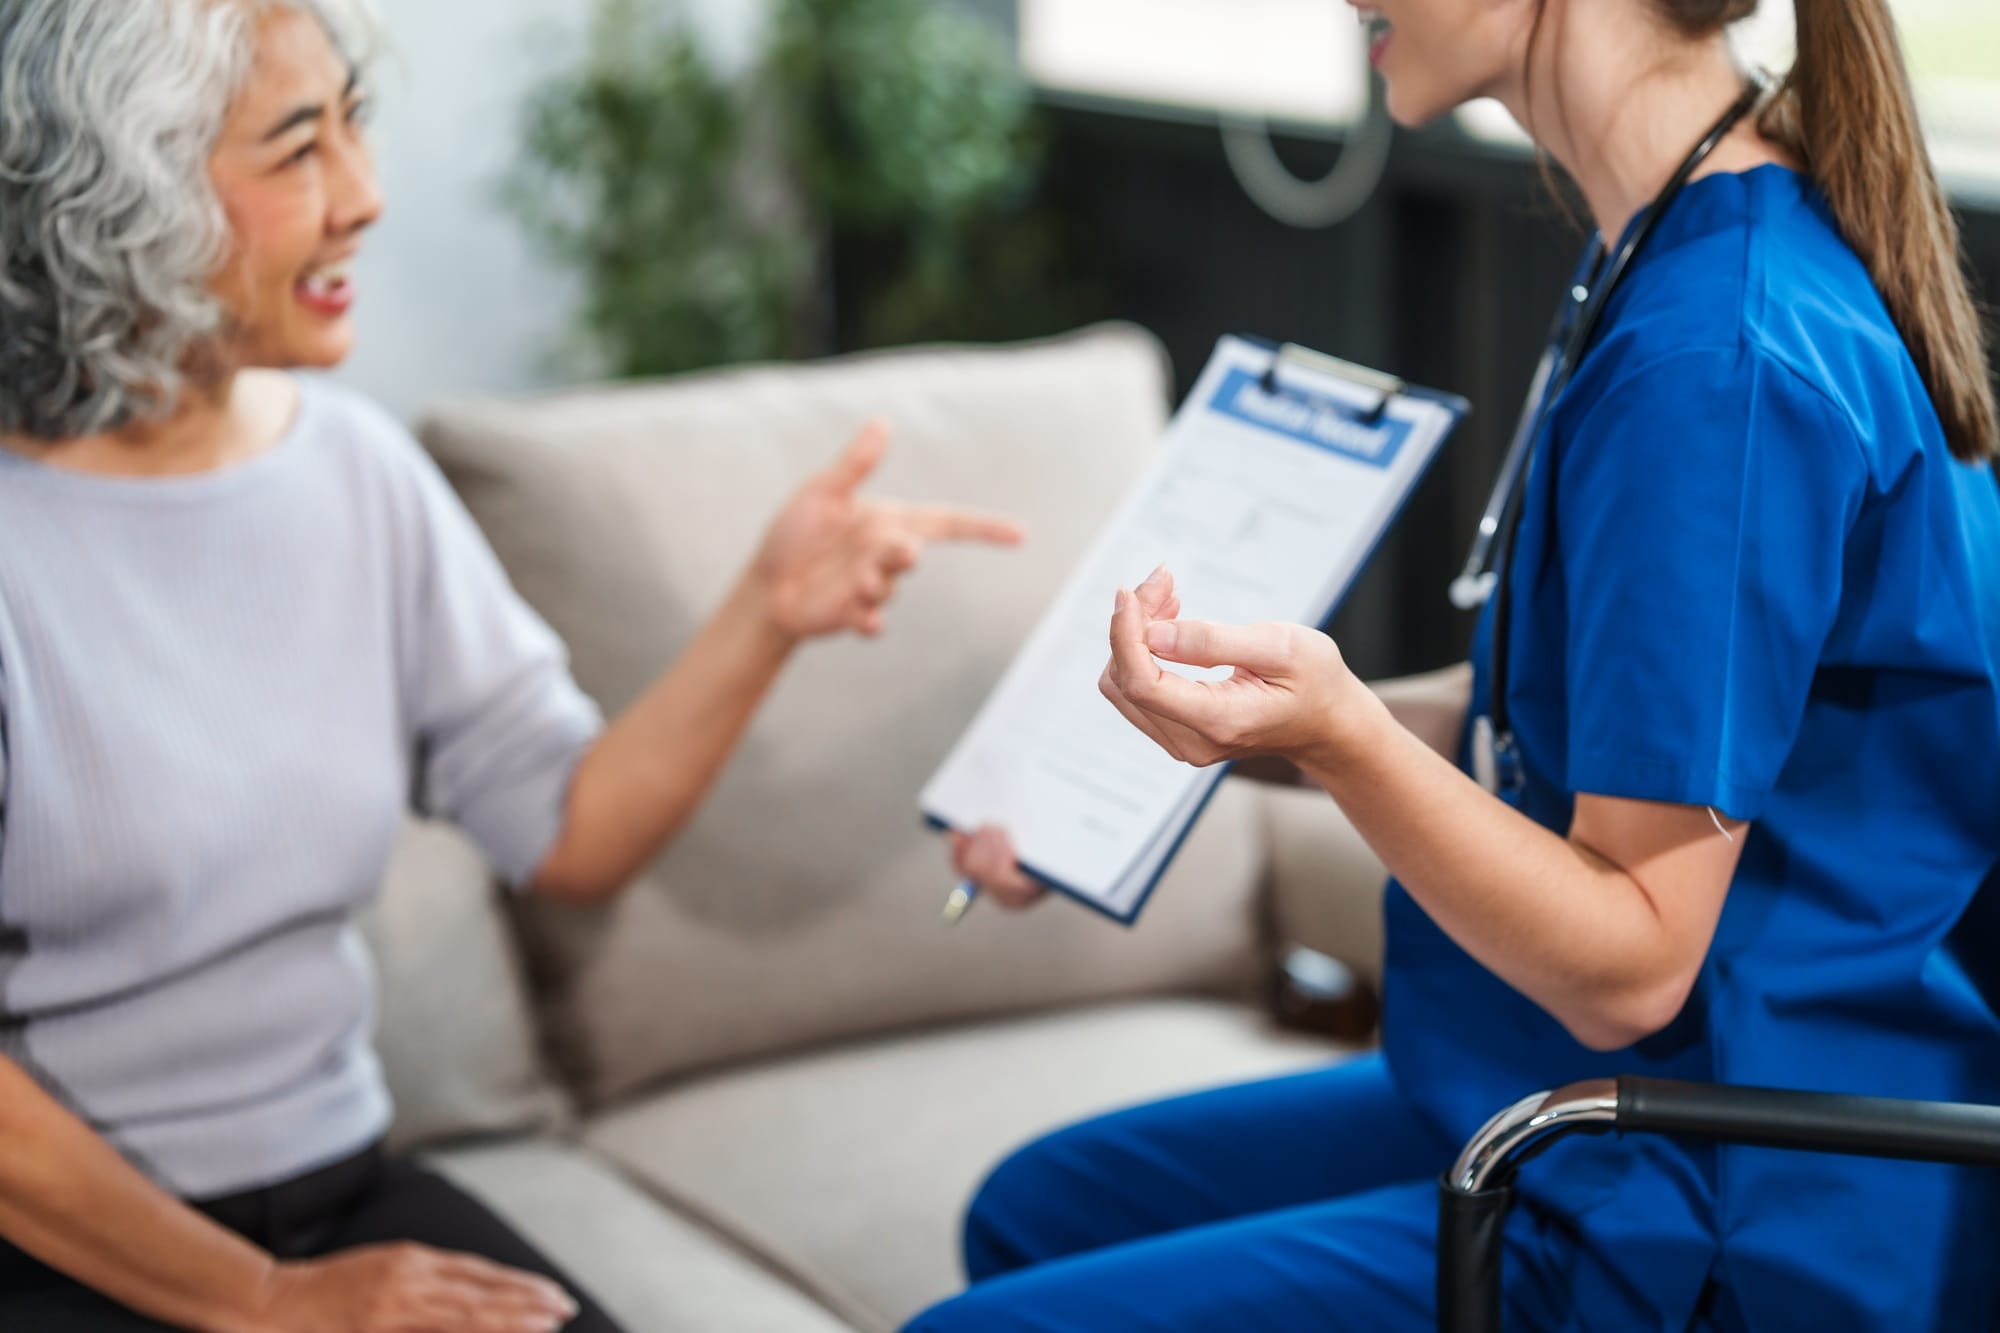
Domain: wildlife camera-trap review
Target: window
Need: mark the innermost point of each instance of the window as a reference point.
(1290, 60)
(1953, 47)
(1953, 51)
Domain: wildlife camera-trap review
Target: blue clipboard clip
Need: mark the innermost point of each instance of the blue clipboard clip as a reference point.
(1291, 356)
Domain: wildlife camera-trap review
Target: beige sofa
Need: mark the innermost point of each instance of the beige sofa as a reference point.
(758, 1092)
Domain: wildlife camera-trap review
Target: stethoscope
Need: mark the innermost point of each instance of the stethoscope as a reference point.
(1495, 754)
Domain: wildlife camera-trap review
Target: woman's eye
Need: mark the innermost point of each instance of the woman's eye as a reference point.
(298, 158)
(359, 113)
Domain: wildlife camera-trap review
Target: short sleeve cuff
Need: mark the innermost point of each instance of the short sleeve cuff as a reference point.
(1637, 777)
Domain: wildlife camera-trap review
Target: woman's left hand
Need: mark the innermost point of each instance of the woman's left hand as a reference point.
(1291, 693)
(831, 559)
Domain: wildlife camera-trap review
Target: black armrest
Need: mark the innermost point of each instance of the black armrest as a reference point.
(1812, 1121)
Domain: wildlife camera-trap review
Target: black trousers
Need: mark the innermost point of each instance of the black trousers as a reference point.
(368, 1199)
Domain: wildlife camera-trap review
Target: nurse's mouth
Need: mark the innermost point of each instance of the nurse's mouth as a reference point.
(1380, 33)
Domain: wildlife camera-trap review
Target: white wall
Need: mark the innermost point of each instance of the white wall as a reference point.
(453, 299)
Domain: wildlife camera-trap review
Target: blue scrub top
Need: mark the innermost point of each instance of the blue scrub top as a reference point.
(1751, 576)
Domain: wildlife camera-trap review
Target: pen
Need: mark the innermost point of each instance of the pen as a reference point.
(955, 907)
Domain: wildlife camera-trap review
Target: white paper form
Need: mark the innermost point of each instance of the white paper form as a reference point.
(1265, 506)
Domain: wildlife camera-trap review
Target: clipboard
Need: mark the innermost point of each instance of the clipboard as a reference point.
(1356, 442)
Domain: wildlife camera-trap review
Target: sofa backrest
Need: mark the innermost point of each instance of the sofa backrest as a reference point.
(455, 1032)
(801, 905)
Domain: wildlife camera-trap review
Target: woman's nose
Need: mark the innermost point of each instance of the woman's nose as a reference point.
(354, 199)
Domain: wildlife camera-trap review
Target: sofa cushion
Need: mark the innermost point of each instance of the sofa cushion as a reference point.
(850, 1170)
(801, 905)
(649, 1268)
(1326, 882)
(454, 1030)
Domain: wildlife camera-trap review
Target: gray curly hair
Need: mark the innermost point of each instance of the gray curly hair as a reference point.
(109, 231)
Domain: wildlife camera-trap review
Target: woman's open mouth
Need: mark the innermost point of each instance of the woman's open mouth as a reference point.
(328, 290)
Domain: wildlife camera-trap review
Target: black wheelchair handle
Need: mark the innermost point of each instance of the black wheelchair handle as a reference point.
(1475, 1195)
(1948, 1132)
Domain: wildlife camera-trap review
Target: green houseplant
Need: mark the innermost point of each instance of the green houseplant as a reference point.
(870, 181)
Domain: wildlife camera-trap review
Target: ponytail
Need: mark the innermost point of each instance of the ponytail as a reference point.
(1848, 113)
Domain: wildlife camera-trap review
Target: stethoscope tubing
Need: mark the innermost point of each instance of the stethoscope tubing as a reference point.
(1474, 585)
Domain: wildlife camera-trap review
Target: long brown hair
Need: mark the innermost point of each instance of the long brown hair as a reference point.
(1846, 110)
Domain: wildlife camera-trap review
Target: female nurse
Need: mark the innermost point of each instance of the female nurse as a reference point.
(1752, 623)
(242, 620)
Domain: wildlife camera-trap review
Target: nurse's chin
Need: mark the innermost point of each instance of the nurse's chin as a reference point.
(1413, 105)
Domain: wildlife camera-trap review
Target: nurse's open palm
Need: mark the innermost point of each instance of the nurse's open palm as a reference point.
(831, 558)
(1287, 695)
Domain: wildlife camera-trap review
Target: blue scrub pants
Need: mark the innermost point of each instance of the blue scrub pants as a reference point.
(1307, 1202)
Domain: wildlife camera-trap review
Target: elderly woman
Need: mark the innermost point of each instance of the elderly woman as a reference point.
(243, 623)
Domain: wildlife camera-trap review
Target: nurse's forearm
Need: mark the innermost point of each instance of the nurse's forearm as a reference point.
(643, 780)
(1554, 919)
